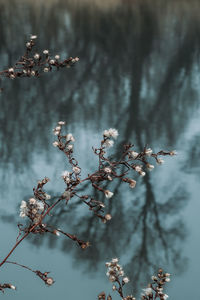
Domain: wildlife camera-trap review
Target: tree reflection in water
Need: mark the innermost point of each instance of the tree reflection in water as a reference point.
(138, 73)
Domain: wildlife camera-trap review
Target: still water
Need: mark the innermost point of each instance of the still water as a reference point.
(138, 72)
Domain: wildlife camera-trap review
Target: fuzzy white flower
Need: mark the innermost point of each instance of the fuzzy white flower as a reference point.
(115, 260)
(32, 201)
(55, 144)
(57, 233)
(37, 56)
(150, 167)
(46, 70)
(112, 132)
(46, 51)
(138, 169)
(108, 217)
(107, 170)
(33, 37)
(167, 279)
(61, 123)
(76, 170)
(28, 45)
(108, 194)
(22, 214)
(52, 61)
(40, 205)
(108, 143)
(134, 154)
(66, 195)
(23, 204)
(11, 70)
(126, 280)
(47, 196)
(160, 161)
(142, 174)
(70, 137)
(148, 291)
(57, 56)
(165, 296)
(70, 147)
(65, 174)
(132, 183)
(148, 151)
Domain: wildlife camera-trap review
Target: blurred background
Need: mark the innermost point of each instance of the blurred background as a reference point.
(138, 72)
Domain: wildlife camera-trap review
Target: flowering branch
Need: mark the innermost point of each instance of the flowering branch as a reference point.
(116, 275)
(34, 64)
(37, 209)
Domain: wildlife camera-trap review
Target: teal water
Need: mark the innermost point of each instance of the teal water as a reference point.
(138, 72)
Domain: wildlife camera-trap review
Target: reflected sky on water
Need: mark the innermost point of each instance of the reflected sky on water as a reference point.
(138, 72)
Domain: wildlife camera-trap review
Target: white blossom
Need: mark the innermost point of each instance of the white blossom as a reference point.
(57, 56)
(55, 144)
(167, 279)
(148, 151)
(40, 205)
(37, 56)
(126, 280)
(46, 51)
(33, 37)
(57, 233)
(142, 174)
(65, 174)
(108, 143)
(138, 169)
(107, 170)
(70, 137)
(46, 70)
(108, 194)
(132, 183)
(52, 61)
(160, 161)
(61, 123)
(150, 167)
(112, 132)
(47, 196)
(148, 291)
(76, 170)
(11, 70)
(108, 217)
(115, 260)
(134, 154)
(66, 195)
(32, 201)
(70, 147)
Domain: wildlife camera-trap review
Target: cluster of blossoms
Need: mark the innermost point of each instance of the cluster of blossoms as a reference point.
(38, 207)
(33, 64)
(108, 134)
(155, 289)
(31, 209)
(116, 275)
